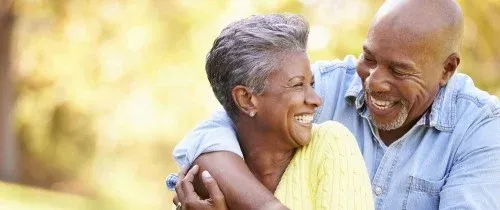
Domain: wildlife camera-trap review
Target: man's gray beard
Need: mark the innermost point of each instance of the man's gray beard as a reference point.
(396, 123)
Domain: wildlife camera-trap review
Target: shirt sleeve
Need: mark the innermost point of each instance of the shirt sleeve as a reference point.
(474, 179)
(215, 134)
(343, 179)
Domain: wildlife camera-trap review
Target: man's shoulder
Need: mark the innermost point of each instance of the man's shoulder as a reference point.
(464, 106)
(347, 65)
(335, 82)
(469, 99)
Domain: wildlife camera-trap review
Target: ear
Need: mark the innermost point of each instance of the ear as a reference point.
(449, 68)
(244, 99)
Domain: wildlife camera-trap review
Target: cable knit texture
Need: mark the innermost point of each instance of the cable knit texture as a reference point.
(328, 173)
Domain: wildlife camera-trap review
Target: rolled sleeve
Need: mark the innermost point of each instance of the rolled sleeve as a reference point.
(215, 134)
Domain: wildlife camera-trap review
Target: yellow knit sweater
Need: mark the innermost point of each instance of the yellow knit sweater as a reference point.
(328, 173)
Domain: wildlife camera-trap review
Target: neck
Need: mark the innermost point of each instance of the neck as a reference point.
(389, 137)
(266, 155)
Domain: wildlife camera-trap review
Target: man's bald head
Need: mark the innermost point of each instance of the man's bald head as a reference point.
(437, 22)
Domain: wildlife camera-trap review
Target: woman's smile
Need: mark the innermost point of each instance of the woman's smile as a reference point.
(304, 119)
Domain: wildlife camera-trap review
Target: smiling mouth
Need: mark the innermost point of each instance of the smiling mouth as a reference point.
(382, 104)
(305, 119)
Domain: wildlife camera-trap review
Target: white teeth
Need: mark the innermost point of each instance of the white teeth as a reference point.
(382, 104)
(304, 119)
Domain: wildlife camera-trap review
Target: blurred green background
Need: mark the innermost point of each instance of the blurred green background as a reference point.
(96, 93)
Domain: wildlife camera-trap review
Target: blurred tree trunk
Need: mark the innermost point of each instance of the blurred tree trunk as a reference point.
(8, 147)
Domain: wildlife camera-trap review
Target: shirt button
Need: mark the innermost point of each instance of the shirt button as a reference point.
(378, 191)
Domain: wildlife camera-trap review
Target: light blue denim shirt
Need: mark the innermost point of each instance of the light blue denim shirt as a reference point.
(449, 160)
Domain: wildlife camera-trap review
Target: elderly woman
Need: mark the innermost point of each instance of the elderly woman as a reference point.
(260, 73)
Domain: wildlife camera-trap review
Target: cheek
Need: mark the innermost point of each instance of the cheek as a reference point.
(417, 94)
(270, 111)
(283, 108)
(295, 102)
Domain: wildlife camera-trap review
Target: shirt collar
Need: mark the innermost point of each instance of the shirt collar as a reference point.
(354, 94)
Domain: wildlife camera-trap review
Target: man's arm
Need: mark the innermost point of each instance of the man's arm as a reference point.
(474, 179)
(240, 188)
(213, 146)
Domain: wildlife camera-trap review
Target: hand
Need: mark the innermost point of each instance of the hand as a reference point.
(190, 200)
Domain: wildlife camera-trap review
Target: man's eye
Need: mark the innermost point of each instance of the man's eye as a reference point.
(369, 60)
(397, 72)
(299, 84)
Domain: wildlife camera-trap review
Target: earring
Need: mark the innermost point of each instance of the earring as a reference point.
(252, 114)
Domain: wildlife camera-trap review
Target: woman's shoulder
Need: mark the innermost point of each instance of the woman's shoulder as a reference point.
(330, 128)
(332, 136)
(338, 158)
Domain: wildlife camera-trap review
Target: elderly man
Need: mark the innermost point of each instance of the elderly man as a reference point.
(430, 139)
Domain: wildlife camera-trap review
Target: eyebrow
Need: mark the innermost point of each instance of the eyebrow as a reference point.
(404, 65)
(298, 76)
(366, 50)
(302, 78)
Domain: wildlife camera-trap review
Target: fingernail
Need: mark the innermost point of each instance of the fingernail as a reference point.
(206, 175)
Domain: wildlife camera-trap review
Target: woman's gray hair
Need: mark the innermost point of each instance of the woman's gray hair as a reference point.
(248, 50)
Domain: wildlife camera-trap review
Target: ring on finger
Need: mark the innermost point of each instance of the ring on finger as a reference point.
(178, 206)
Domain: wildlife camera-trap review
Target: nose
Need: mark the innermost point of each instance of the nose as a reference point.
(312, 98)
(377, 80)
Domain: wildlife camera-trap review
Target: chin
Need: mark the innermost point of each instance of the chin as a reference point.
(391, 124)
(388, 126)
(304, 140)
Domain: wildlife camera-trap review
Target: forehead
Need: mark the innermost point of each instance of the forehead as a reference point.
(292, 65)
(400, 44)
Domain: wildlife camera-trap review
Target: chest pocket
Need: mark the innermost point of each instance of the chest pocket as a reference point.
(423, 194)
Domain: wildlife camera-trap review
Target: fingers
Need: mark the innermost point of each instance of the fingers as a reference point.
(191, 173)
(188, 197)
(184, 187)
(178, 188)
(175, 200)
(213, 190)
(187, 182)
(183, 172)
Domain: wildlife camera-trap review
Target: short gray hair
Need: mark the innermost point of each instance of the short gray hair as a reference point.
(248, 50)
